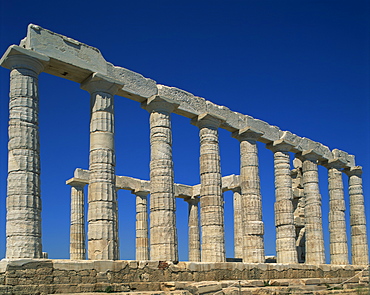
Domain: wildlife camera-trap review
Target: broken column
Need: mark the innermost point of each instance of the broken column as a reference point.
(142, 243)
(337, 219)
(360, 250)
(193, 225)
(251, 201)
(23, 220)
(284, 213)
(102, 196)
(211, 197)
(315, 251)
(163, 234)
(77, 249)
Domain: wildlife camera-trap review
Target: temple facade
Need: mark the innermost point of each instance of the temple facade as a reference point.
(297, 204)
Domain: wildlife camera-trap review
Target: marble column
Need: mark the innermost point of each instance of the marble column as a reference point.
(360, 247)
(142, 241)
(315, 250)
(102, 195)
(286, 251)
(211, 197)
(251, 201)
(163, 233)
(193, 225)
(238, 223)
(77, 249)
(337, 219)
(23, 219)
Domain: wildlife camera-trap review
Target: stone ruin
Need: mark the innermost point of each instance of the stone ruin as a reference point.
(300, 260)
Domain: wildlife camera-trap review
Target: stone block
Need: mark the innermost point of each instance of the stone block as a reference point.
(270, 133)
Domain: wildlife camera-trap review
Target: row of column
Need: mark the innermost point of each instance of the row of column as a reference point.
(24, 208)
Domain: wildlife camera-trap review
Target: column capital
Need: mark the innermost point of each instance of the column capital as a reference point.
(356, 170)
(76, 182)
(310, 155)
(140, 193)
(192, 200)
(280, 145)
(208, 120)
(159, 103)
(247, 133)
(17, 57)
(337, 163)
(97, 82)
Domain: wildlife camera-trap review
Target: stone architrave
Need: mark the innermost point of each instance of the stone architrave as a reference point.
(163, 233)
(102, 195)
(211, 197)
(142, 241)
(23, 219)
(284, 212)
(360, 247)
(315, 251)
(193, 225)
(337, 219)
(77, 249)
(251, 199)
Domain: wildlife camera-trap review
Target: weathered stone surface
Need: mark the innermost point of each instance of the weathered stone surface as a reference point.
(102, 210)
(142, 239)
(212, 214)
(359, 243)
(163, 234)
(194, 233)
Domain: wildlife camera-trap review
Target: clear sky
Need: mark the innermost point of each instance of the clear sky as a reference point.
(300, 65)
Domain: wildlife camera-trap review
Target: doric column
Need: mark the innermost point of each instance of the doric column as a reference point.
(337, 219)
(193, 225)
(23, 220)
(284, 212)
(102, 196)
(360, 254)
(211, 197)
(142, 243)
(315, 251)
(77, 249)
(163, 234)
(238, 223)
(251, 203)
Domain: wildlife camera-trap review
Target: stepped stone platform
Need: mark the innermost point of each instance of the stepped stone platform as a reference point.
(46, 276)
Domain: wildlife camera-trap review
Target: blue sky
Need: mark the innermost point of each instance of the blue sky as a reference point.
(300, 65)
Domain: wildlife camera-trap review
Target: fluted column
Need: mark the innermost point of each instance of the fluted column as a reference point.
(238, 223)
(251, 201)
(360, 251)
(102, 196)
(23, 219)
(337, 219)
(193, 225)
(77, 249)
(142, 241)
(163, 233)
(315, 251)
(284, 212)
(211, 197)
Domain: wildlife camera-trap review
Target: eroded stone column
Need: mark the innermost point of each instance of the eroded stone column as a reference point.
(77, 249)
(238, 223)
(360, 252)
(211, 197)
(284, 212)
(194, 234)
(163, 233)
(23, 219)
(142, 241)
(337, 219)
(251, 203)
(102, 196)
(315, 251)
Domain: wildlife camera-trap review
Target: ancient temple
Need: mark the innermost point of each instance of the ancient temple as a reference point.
(298, 214)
